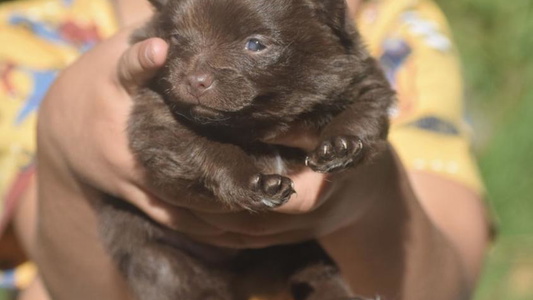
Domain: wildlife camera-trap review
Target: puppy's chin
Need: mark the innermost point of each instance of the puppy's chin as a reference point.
(204, 115)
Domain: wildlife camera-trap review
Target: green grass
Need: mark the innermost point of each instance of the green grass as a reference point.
(3, 295)
(495, 40)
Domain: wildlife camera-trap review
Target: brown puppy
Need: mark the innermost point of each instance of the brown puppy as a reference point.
(240, 72)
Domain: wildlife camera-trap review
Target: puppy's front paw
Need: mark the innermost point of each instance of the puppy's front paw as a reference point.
(335, 154)
(273, 190)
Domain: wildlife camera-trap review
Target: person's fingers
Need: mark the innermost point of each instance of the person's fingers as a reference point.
(301, 138)
(310, 194)
(310, 188)
(141, 62)
(200, 202)
(240, 241)
(176, 218)
(253, 224)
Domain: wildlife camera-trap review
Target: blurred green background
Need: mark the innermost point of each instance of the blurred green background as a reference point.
(495, 38)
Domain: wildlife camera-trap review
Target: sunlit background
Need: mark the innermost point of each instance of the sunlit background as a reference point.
(495, 38)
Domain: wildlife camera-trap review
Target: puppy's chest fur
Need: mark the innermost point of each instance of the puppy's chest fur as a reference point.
(239, 72)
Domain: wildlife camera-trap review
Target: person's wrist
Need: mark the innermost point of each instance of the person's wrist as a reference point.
(396, 241)
(382, 185)
(376, 186)
(373, 240)
(386, 194)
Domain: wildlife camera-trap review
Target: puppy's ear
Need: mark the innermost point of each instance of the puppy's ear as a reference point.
(158, 4)
(335, 14)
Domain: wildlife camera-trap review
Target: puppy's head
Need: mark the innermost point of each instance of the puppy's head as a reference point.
(260, 60)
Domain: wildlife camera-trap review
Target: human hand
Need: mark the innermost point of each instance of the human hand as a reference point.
(322, 205)
(83, 120)
(82, 151)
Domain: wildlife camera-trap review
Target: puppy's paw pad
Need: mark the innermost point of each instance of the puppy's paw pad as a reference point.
(273, 190)
(335, 154)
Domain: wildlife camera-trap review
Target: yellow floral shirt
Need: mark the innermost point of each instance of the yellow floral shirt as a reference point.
(413, 43)
(38, 38)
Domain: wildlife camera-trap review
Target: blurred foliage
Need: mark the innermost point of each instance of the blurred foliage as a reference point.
(496, 42)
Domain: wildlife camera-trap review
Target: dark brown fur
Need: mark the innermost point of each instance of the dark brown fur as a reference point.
(198, 130)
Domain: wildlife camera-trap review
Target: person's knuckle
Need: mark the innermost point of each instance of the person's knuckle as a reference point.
(145, 55)
(128, 63)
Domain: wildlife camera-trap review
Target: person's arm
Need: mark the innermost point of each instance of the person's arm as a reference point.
(87, 99)
(460, 213)
(423, 236)
(395, 251)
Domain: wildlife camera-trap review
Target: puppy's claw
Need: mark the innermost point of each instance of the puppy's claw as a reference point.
(273, 190)
(335, 154)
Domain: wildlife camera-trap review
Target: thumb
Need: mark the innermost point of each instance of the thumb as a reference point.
(141, 62)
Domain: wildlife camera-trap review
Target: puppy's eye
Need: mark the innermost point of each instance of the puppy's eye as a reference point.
(255, 45)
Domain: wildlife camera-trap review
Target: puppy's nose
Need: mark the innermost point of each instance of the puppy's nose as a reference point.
(200, 82)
